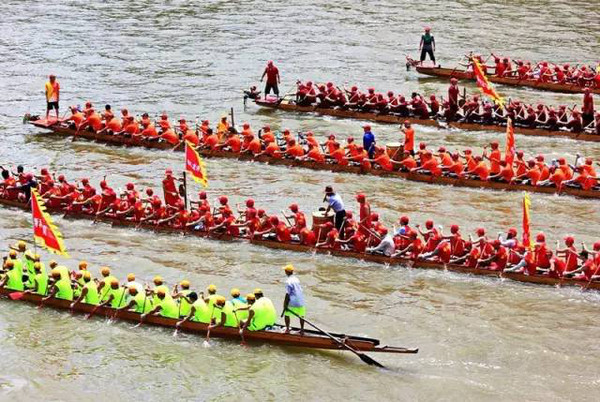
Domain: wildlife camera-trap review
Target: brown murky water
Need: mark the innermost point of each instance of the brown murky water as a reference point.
(480, 339)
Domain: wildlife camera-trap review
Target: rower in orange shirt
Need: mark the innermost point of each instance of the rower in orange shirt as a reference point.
(409, 162)
(589, 167)
(470, 161)
(246, 130)
(520, 164)
(533, 174)
(132, 127)
(298, 217)
(273, 150)
(364, 208)
(212, 141)
(445, 157)
(382, 159)
(544, 170)
(310, 139)
(314, 153)
(455, 168)
(339, 155)
(584, 179)
(351, 147)
(191, 136)
(294, 150)
(164, 122)
(148, 129)
(76, 116)
(253, 146)
(92, 120)
(562, 164)
(287, 136)
(169, 136)
(330, 144)
(125, 116)
(204, 128)
(431, 165)
(556, 179)
(233, 143)
(171, 195)
(361, 158)
(505, 174)
(113, 126)
(481, 170)
(267, 135)
(222, 127)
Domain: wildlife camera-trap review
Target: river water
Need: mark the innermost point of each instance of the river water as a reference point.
(479, 339)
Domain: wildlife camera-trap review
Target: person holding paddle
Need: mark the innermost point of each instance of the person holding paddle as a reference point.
(294, 300)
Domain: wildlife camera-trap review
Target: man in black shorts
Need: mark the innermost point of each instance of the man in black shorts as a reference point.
(273, 79)
(52, 95)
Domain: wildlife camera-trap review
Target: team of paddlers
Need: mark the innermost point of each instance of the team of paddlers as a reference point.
(364, 233)
(543, 71)
(24, 271)
(305, 146)
(467, 109)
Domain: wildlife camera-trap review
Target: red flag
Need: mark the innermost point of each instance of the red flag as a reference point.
(526, 222)
(510, 143)
(45, 232)
(195, 165)
(484, 85)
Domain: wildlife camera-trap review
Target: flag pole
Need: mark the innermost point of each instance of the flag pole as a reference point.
(33, 223)
(185, 200)
(232, 118)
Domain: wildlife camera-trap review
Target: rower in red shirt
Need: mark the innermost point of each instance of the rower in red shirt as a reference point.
(413, 249)
(171, 195)
(364, 208)
(294, 150)
(481, 170)
(453, 93)
(431, 236)
(339, 155)
(494, 158)
(409, 162)
(314, 153)
(298, 217)
(307, 237)
(409, 137)
(543, 254)
(584, 179)
(330, 144)
(382, 159)
(498, 260)
(357, 242)
(442, 253)
(164, 122)
(431, 165)
(569, 254)
(169, 136)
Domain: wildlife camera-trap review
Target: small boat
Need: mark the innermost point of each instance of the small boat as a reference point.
(294, 246)
(310, 340)
(394, 119)
(417, 177)
(461, 74)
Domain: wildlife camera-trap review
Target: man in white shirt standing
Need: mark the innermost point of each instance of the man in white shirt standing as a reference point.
(293, 304)
(337, 205)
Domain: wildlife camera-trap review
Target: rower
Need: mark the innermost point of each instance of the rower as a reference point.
(132, 282)
(386, 246)
(89, 291)
(268, 309)
(159, 285)
(212, 297)
(199, 311)
(587, 110)
(273, 79)
(185, 304)
(60, 288)
(52, 89)
(239, 303)
(40, 280)
(103, 286)
(115, 296)
(294, 299)
(223, 314)
(453, 93)
(139, 302)
(13, 278)
(257, 317)
(164, 304)
(171, 195)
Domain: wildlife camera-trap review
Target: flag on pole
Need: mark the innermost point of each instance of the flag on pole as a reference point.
(526, 222)
(510, 143)
(484, 84)
(45, 233)
(195, 165)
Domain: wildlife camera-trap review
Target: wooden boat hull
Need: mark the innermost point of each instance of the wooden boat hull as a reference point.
(379, 259)
(467, 75)
(311, 339)
(422, 178)
(392, 119)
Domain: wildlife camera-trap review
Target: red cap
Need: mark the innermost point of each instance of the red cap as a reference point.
(149, 192)
(294, 207)
(169, 172)
(512, 231)
(375, 216)
(129, 186)
(360, 197)
(103, 184)
(540, 237)
(202, 195)
(480, 232)
(404, 220)
(569, 240)
(367, 127)
(274, 220)
(429, 224)
(249, 203)
(223, 200)
(454, 229)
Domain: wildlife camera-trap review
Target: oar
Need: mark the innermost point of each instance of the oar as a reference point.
(587, 285)
(370, 361)
(206, 342)
(87, 317)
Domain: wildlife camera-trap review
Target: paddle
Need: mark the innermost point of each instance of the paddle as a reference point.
(587, 285)
(370, 361)
(16, 295)
(206, 342)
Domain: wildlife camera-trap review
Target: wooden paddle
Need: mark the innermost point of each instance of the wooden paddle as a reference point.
(206, 342)
(370, 361)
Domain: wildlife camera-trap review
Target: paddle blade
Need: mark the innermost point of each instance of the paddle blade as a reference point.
(369, 360)
(16, 295)
(206, 344)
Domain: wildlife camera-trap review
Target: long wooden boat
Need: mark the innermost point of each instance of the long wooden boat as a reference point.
(394, 119)
(379, 259)
(530, 83)
(333, 167)
(310, 339)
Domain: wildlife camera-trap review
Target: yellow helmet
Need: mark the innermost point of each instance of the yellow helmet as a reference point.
(158, 280)
(288, 268)
(12, 253)
(52, 264)
(83, 265)
(185, 284)
(161, 292)
(235, 292)
(132, 289)
(37, 266)
(22, 246)
(105, 271)
(36, 257)
(114, 283)
(9, 263)
(258, 291)
(131, 277)
(220, 301)
(250, 296)
(87, 275)
(212, 288)
(55, 273)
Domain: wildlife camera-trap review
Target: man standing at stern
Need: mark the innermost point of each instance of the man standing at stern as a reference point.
(293, 304)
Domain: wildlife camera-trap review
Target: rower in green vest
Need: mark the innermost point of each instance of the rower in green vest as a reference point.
(256, 316)
(104, 285)
(40, 280)
(60, 288)
(89, 291)
(159, 285)
(266, 304)
(12, 278)
(115, 297)
(64, 271)
(83, 268)
(28, 262)
(223, 315)
(17, 263)
(166, 306)
(199, 311)
(138, 301)
(212, 296)
(185, 305)
(239, 305)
